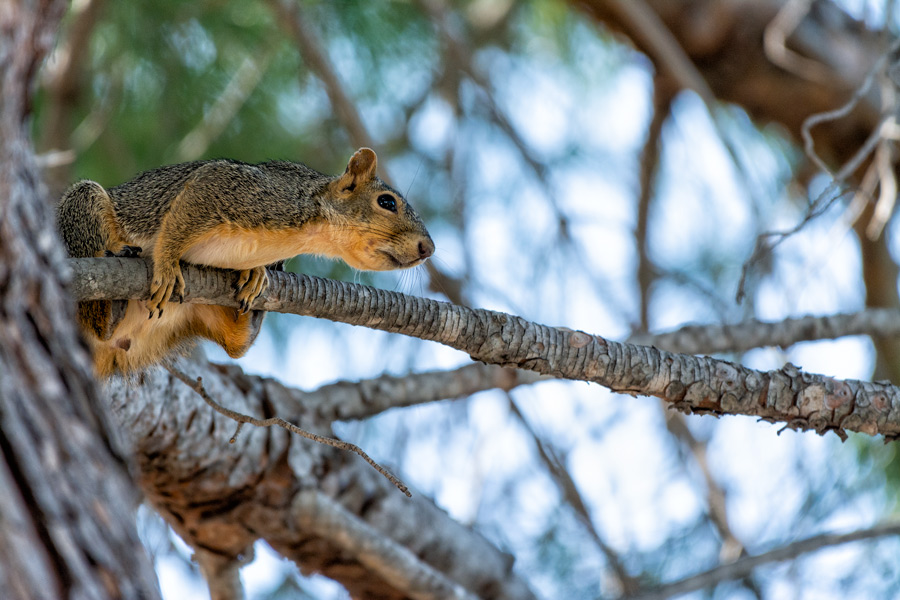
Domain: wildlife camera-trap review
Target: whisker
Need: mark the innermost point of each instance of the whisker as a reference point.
(416, 174)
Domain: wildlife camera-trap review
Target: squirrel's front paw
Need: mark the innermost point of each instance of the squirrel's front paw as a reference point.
(167, 284)
(250, 285)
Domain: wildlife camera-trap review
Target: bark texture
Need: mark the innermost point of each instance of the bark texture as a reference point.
(66, 500)
(326, 510)
(692, 384)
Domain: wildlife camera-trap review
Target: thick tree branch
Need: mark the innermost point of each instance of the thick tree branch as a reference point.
(220, 497)
(691, 384)
(242, 419)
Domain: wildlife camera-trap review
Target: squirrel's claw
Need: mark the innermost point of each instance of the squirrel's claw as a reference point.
(130, 252)
(125, 252)
(250, 285)
(167, 285)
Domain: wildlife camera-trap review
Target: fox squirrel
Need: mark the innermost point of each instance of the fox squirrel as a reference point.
(227, 214)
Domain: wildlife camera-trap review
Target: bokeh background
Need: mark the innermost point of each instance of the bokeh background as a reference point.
(567, 176)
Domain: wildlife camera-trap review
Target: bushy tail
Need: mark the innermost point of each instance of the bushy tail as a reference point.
(86, 222)
(83, 217)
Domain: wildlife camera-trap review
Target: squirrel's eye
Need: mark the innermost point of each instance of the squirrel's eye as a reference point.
(387, 202)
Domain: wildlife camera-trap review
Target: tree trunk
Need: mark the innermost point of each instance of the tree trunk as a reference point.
(67, 502)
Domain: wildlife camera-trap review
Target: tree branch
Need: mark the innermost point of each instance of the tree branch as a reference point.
(740, 337)
(691, 384)
(290, 16)
(317, 513)
(347, 400)
(242, 419)
(559, 472)
(220, 497)
(728, 53)
(222, 575)
(745, 566)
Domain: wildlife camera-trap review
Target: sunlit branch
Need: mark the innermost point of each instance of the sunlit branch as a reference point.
(775, 38)
(689, 383)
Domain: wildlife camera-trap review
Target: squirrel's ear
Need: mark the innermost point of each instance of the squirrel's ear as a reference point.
(360, 169)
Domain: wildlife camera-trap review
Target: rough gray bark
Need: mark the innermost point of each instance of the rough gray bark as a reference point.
(359, 400)
(67, 503)
(691, 384)
(221, 497)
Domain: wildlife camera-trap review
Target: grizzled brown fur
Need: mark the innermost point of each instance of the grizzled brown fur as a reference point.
(227, 214)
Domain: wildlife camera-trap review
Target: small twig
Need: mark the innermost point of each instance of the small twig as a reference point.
(197, 386)
(775, 38)
(841, 112)
(830, 195)
(817, 207)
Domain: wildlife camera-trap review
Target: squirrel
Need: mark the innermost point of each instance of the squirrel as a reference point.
(228, 214)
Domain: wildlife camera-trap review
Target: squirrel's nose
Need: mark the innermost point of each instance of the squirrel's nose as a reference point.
(426, 248)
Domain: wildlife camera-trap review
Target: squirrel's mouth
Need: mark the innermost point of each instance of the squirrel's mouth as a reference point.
(396, 263)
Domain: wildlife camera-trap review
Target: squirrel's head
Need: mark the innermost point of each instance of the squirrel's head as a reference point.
(372, 226)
